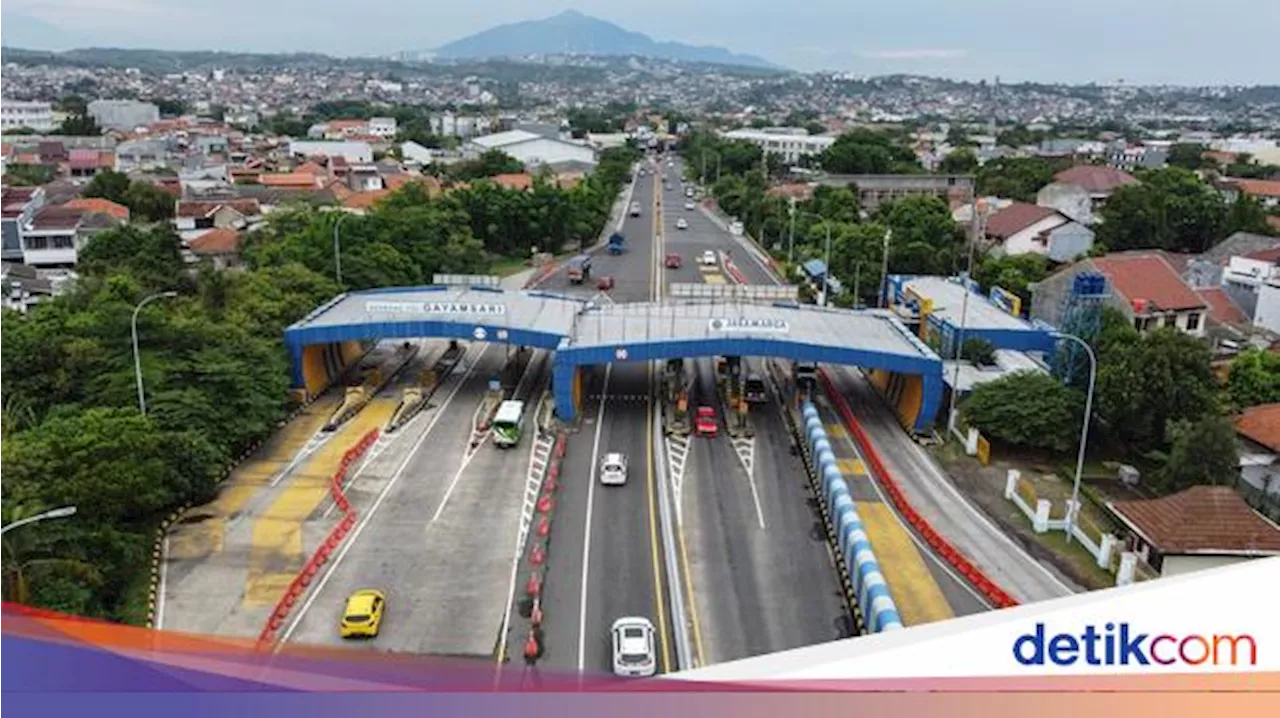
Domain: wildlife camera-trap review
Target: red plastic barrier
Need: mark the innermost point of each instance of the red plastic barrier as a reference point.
(980, 581)
(299, 585)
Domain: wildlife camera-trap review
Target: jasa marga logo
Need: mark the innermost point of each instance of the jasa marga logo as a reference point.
(1119, 644)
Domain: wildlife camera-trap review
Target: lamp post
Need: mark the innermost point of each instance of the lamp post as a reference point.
(826, 277)
(791, 235)
(337, 248)
(978, 222)
(137, 358)
(59, 513)
(883, 299)
(1074, 508)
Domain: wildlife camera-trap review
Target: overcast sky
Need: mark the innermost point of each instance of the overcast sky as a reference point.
(1139, 41)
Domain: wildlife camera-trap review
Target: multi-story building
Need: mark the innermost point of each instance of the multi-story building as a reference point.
(123, 114)
(1253, 282)
(384, 127)
(36, 116)
(874, 190)
(789, 142)
(19, 205)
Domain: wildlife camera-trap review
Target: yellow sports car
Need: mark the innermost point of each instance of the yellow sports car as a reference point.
(363, 616)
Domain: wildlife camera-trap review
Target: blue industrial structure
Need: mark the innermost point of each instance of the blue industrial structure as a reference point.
(582, 333)
(1081, 317)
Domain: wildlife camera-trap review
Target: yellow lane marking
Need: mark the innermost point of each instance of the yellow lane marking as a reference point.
(688, 592)
(197, 540)
(648, 433)
(852, 467)
(276, 553)
(916, 594)
(713, 279)
(836, 431)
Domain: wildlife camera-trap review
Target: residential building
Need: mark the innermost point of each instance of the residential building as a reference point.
(789, 142)
(874, 190)
(448, 124)
(384, 127)
(123, 114)
(1022, 228)
(114, 210)
(1145, 287)
(141, 154)
(1266, 192)
(36, 116)
(1079, 192)
(416, 154)
(1259, 430)
(17, 206)
(52, 238)
(351, 151)
(1246, 276)
(220, 246)
(1198, 528)
(364, 177)
(22, 287)
(216, 214)
(1267, 312)
(531, 150)
(87, 162)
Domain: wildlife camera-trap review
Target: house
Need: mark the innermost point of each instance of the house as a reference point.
(53, 237)
(141, 154)
(1223, 311)
(290, 180)
(1145, 287)
(531, 150)
(114, 210)
(17, 206)
(1201, 527)
(1266, 192)
(798, 192)
(415, 153)
(88, 162)
(22, 287)
(363, 177)
(1251, 280)
(351, 151)
(1259, 431)
(1079, 192)
(216, 214)
(1022, 228)
(220, 246)
(359, 202)
(875, 190)
(517, 181)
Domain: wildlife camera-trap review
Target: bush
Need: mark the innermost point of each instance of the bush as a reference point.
(1027, 409)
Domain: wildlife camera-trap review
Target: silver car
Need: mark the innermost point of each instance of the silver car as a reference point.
(634, 652)
(613, 470)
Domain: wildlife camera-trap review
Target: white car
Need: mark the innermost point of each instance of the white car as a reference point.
(613, 470)
(688, 206)
(634, 652)
(682, 224)
(688, 191)
(708, 258)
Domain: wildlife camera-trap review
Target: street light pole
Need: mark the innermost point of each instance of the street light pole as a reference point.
(883, 300)
(826, 276)
(137, 358)
(791, 236)
(59, 513)
(979, 208)
(337, 248)
(1074, 508)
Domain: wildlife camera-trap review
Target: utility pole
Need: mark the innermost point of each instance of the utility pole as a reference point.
(979, 210)
(791, 236)
(704, 169)
(883, 300)
(857, 278)
(826, 275)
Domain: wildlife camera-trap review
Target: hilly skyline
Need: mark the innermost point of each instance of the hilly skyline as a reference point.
(573, 33)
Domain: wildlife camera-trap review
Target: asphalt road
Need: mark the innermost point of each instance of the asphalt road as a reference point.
(604, 560)
(437, 531)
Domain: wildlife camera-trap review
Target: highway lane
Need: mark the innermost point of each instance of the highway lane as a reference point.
(604, 560)
(438, 524)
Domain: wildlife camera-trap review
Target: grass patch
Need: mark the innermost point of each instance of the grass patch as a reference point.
(1082, 561)
(135, 602)
(507, 266)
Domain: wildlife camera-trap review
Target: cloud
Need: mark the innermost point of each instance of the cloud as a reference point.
(915, 54)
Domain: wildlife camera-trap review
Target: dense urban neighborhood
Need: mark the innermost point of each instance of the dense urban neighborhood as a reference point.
(186, 236)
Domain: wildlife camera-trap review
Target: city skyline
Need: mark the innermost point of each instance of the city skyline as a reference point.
(1091, 41)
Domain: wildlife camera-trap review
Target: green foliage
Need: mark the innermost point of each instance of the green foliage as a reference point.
(1254, 378)
(925, 240)
(169, 107)
(1186, 155)
(1169, 209)
(148, 202)
(1200, 452)
(960, 162)
(79, 126)
(1148, 381)
(1027, 409)
(979, 351)
(1020, 136)
(28, 175)
(108, 185)
(1247, 215)
(863, 151)
(151, 255)
(1012, 272)
(1017, 178)
(492, 162)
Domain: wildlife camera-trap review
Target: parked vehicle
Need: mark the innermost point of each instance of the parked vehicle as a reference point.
(578, 268)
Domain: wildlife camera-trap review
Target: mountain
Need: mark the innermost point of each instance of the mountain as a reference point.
(572, 33)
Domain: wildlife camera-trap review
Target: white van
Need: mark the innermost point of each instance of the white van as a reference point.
(506, 424)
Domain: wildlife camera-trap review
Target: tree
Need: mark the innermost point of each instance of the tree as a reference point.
(148, 202)
(153, 256)
(979, 351)
(109, 185)
(1018, 178)
(28, 175)
(959, 162)
(492, 162)
(1254, 378)
(1014, 272)
(1247, 215)
(925, 239)
(169, 107)
(1201, 452)
(79, 126)
(862, 151)
(1146, 382)
(1027, 409)
(1169, 209)
(1186, 155)
(814, 127)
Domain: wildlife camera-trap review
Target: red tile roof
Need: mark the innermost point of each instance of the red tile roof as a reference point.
(1095, 179)
(1265, 255)
(216, 241)
(364, 200)
(1015, 218)
(311, 168)
(1146, 276)
(1221, 308)
(204, 208)
(288, 179)
(101, 206)
(400, 179)
(1259, 188)
(1201, 519)
(515, 180)
(801, 191)
(57, 217)
(1261, 424)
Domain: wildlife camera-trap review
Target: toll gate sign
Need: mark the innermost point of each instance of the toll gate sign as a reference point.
(748, 324)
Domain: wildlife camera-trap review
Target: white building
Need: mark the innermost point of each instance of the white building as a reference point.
(447, 124)
(789, 142)
(123, 114)
(417, 154)
(354, 152)
(383, 127)
(36, 116)
(530, 149)
(1021, 228)
(1253, 282)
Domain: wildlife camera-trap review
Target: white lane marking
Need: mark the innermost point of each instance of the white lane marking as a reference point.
(982, 518)
(164, 582)
(746, 452)
(678, 448)
(586, 542)
(395, 478)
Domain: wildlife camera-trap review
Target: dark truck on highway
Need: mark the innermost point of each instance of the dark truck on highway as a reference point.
(578, 268)
(753, 389)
